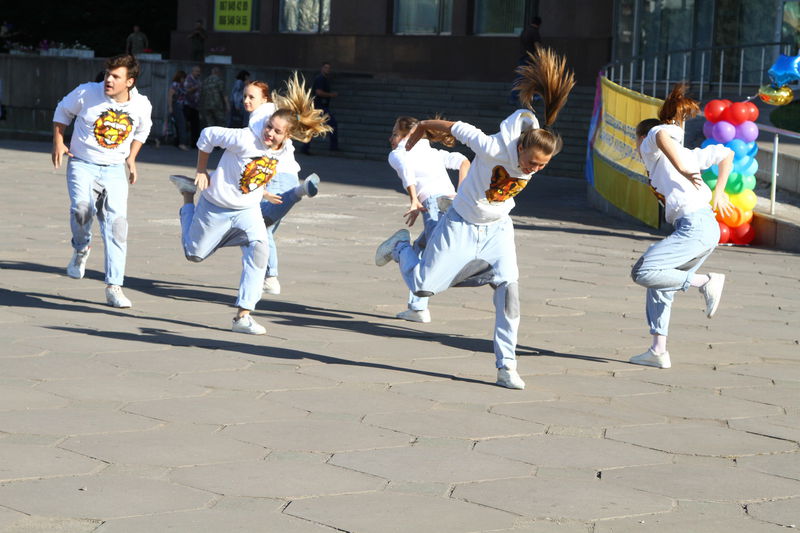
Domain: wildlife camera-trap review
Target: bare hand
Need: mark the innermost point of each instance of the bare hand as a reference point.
(413, 212)
(722, 204)
(132, 175)
(694, 177)
(272, 198)
(201, 180)
(59, 149)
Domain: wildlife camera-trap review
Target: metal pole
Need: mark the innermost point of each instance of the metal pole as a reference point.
(774, 183)
(630, 85)
(741, 69)
(721, 66)
(641, 79)
(612, 73)
(621, 72)
(763, 52)
(702, 68)
(666, 81)
(683, 70)
(655, 71)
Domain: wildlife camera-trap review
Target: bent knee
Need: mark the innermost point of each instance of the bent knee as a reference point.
(82, 213)
(260, 254)
(119, 229)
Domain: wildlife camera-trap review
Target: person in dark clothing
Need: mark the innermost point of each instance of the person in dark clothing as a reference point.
(321, 89)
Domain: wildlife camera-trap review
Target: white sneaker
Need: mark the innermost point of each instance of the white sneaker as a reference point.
(412, 315)
(115, 298)
(272, 285)
(712, 292)
(183, 183)
(509, 378)
(384, 252)
(246, 324)
(311, 185)
(77, 265)
(650, 358)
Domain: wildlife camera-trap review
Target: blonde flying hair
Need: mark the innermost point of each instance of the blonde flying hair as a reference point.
(296, 106)
(545, 74)
(404, 125)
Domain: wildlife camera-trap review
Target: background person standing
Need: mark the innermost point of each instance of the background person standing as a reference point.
(192, 87)
(136, 43)
(321, 89)
(213, 100)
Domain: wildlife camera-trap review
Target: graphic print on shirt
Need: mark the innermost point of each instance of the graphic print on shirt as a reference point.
(503, 186)
(112, 127)
(256, 173)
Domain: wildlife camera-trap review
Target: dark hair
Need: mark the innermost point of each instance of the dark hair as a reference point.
(264, 88)
(678, 107)
(536, 20)
(644, 127)
(127, 61)
(243, 75)
(179, 76)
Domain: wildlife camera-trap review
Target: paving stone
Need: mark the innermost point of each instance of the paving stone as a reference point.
(38, 524)
(17, 394)
(696, 439)
(127, 387)
(692, 404)
(570, 499)
(232, 515)
(50, 367)
(427, 464)
(781, 464)
(356, 400)
(699, 377)
(391, 512)
(281, 478)
(220, 408)
(779, 427)
(704, 482)
(174, 361)
(100, 497)
(571, 452)
(455, 423)
(784, 513)
(261, 377)
(21, 461)
(785, 395)
(67, 421)
(602, 386)
(173, 445)
(317, 435)
(458, 392)
(584, 414)
(775, 371)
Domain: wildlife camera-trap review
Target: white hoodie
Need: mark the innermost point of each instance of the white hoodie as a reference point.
(104, 128)
(679, 195)
(425, 168)
(486, 194)
(246, 166)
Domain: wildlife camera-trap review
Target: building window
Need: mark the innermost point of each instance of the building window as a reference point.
(306, 16)
(432, 17)
(499, 17)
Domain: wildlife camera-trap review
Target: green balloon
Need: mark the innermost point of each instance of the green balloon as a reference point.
(708, 175)
(748, 182)
(734, 184)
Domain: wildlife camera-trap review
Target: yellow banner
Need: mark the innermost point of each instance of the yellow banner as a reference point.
(233, 15)
(623, 109)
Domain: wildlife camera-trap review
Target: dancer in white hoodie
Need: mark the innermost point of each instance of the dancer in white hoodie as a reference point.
(228, 212)
(474, 243)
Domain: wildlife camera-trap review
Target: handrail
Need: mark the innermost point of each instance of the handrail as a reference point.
(774, 171)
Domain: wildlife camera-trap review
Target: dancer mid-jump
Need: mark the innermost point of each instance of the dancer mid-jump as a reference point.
(474, 242)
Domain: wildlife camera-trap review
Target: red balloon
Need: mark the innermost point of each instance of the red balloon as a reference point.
(726, 115)
(738, 113)
(724, 232)
(743, 234)
(727, 102)
(752, 111)
(713, 110)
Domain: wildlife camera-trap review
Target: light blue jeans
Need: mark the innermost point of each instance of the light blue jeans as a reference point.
(102, 191)
(668, 266)
(207, 227)
(429, 219)
(459, 253)
(282, 184)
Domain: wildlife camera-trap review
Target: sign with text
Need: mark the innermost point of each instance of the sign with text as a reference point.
(233, 15)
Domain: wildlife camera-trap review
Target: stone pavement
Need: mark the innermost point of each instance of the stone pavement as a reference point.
(342, 418)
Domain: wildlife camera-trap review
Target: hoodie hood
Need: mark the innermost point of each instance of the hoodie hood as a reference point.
(259, 117)
(510, 130)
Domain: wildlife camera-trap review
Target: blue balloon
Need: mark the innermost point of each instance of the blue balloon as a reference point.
(785, 70)
(739, 147)
(715, 169)
(752, 169)
(709, 142)
(752, 149)
(741, 164)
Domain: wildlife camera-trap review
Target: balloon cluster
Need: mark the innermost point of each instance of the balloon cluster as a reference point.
(733, 124)
(786, 69)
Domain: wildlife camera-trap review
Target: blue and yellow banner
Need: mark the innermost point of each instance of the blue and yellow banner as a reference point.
(614, 166)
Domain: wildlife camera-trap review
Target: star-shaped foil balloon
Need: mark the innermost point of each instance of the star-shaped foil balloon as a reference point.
(786, 69)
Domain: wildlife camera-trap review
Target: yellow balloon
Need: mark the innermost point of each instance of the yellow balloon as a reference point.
(773, 96)
(745, 200)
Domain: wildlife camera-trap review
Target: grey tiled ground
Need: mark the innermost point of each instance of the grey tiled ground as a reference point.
(342, 418)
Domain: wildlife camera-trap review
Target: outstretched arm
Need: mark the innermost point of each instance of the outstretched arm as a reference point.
(425, 126)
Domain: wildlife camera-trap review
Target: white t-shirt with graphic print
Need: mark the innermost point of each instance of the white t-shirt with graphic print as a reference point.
(104, 128)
